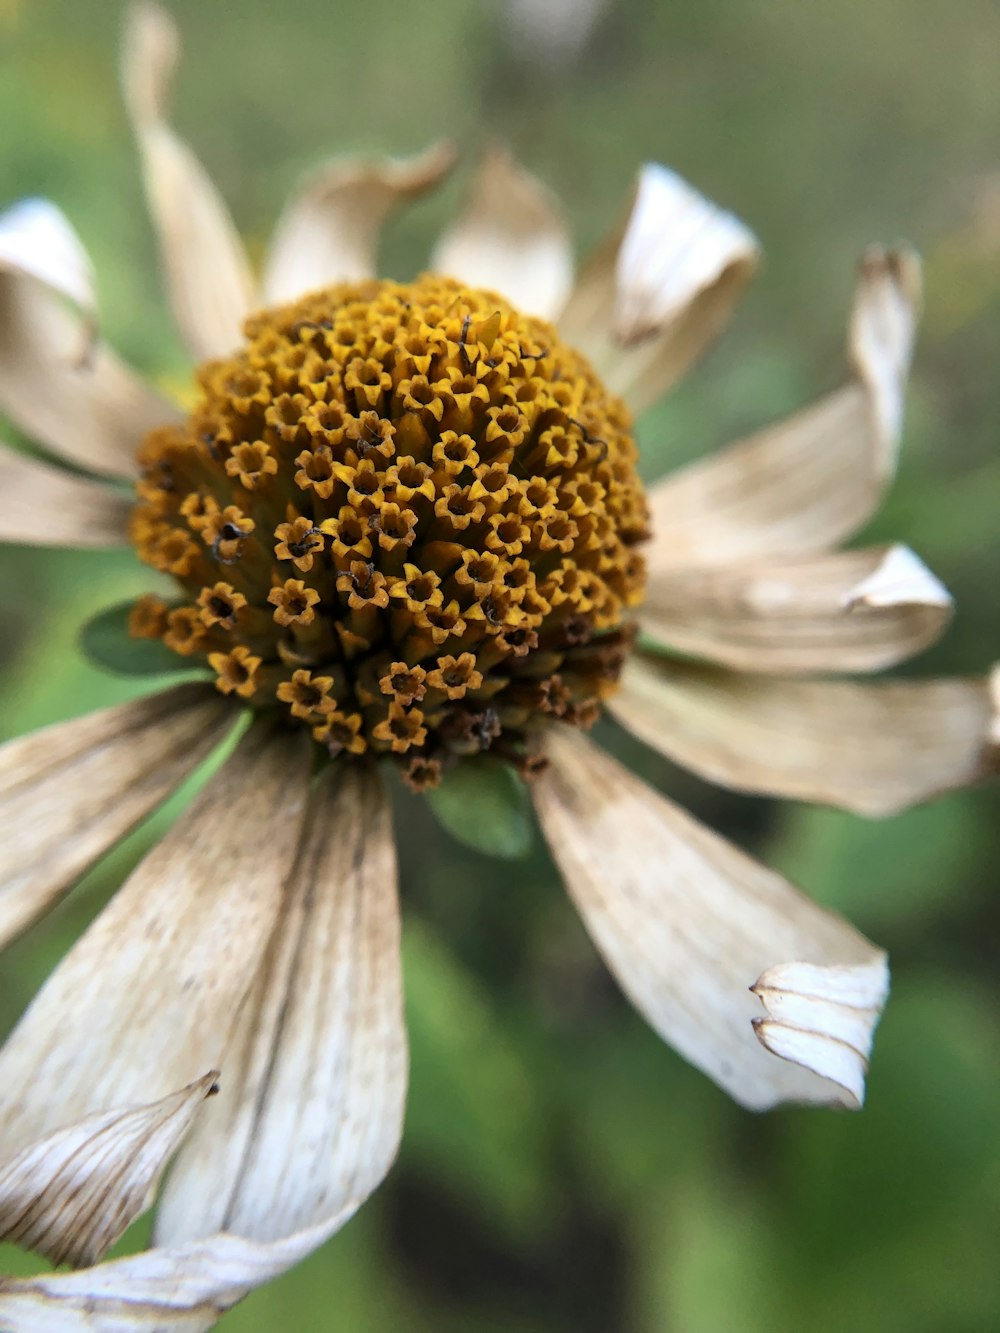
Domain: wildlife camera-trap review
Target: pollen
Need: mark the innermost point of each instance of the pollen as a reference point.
(406, 517)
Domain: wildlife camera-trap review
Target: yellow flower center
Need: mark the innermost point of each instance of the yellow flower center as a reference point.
(405, 514)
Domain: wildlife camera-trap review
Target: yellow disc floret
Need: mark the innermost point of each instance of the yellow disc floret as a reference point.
(405, 515)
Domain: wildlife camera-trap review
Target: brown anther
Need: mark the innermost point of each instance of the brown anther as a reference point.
(340, 732)
(363, 585)
(404, 683)
(293, 603)
(401, 728)
(298, 541)
(422, 773)
(147, 617)
(236, 671)
(250, 463)
(308, 696)
(220, 605)
(455, 675)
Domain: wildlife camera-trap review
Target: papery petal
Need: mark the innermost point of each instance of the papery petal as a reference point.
(875, 748)
(810, 481)
(311, 1109)
(688, 923)
(70, 792)
(329, 231)
(44, 506)
(146, 999)
(509, 238)
(58, 381)
(660, 288)
(823, 1018)
(72, 1194)
(844, 611)
(209, 282)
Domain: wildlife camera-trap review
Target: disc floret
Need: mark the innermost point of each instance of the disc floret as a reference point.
(405, 515)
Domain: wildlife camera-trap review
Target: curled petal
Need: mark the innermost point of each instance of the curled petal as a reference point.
(808, 482)
(510, 238)
(208, 276)
(687, 922)
(844, 611)
(660, 288)
(874, 748)
(823, 1018)
(70, 1195)
(69, 792)
(58, 380)
(330, 229)
(44, 506)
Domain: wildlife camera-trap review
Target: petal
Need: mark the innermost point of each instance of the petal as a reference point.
(660, 288)
(144, 1002)
(846, 611)
(688, 923)
(71, 1195)
(823, 1018)
(873, 748)
(330, 228)
(68, 793)
(58, 381)
(311, 1110)
(509, 238)
(44, 506)
(813, 479)
(311, 1103)
(209, 282)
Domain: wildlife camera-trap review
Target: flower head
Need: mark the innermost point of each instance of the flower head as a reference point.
(404, 520)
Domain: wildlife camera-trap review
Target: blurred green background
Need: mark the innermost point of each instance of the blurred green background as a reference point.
(561, 1169)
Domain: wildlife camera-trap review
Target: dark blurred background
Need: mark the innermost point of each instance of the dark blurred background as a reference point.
(562, 1170)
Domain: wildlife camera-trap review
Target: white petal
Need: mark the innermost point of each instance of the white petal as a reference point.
(37, 239)
(688, 923)
(510, 238)
(208, 277)
(845, 611)
(873, 748)
(329, 231)
(311, 1105)
(70, 792)
(44, 506)
(58, 381)
(146, 999)
(660, 288)
(812, 480)
(823, 1018)
(70, 1195)
(311, 1110)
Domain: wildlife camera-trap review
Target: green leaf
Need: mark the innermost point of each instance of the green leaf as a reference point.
(105, 640)
(483, 803)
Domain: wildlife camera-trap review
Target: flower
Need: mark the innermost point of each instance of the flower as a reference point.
(405, 520)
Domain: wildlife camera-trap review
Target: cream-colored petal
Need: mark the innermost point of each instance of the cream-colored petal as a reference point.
(311, 1101)
(70, 1195)
(69, 792)
(44, 506)
(208, 276)
(660, 288)
(688, 923)
(844, 611)
(146, 999)
(875, 748)
(329, 231)
(510, 238)
(808, 482)
(311, 1109)
(58, 381)
(823, 1018)
(183, 1289)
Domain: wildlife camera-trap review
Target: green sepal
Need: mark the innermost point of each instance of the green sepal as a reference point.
(483, 803)
(105, 640)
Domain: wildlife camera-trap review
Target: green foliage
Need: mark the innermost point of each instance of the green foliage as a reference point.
(105, 640)
(483, 803)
